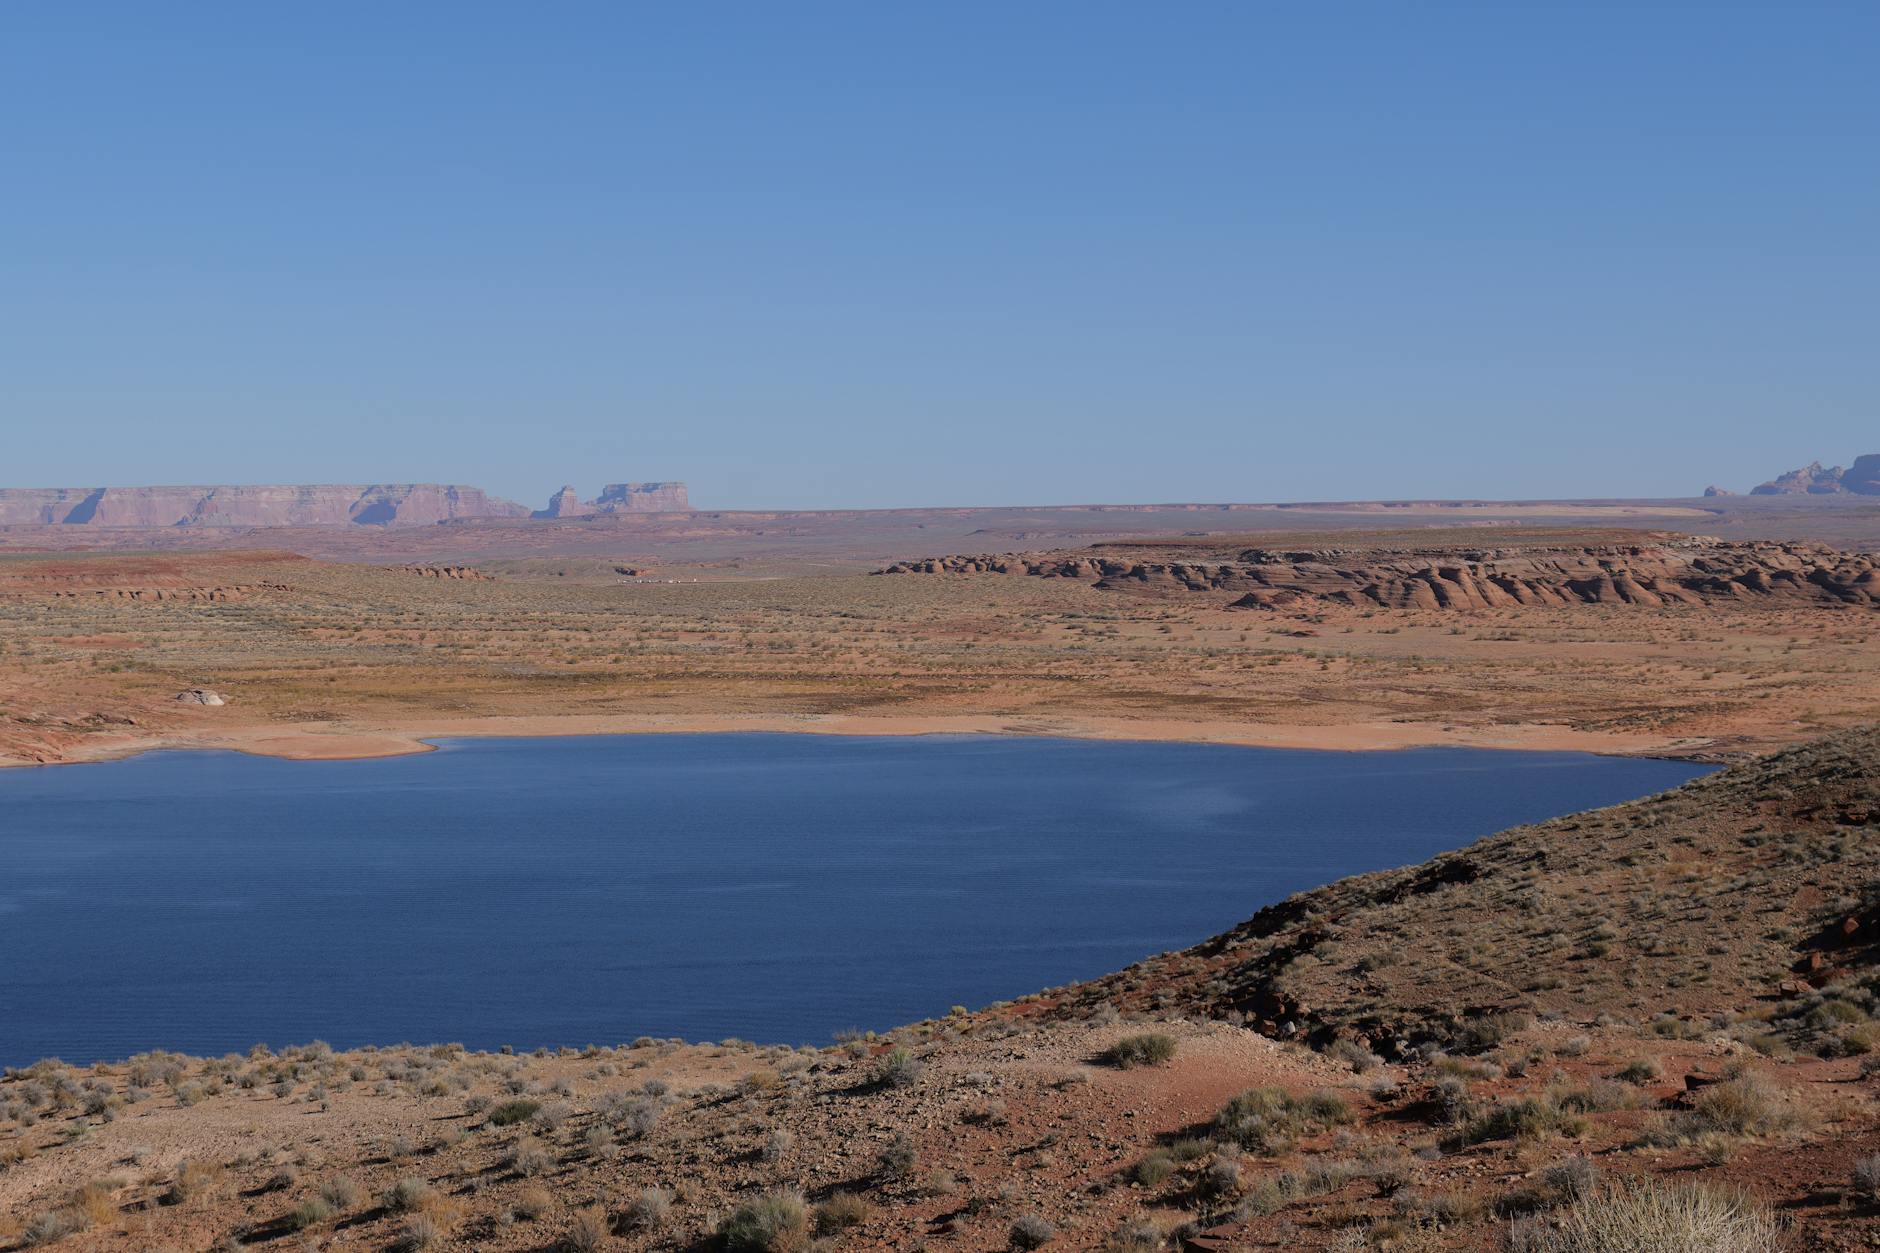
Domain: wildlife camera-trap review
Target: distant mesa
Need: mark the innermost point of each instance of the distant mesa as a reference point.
(618, 498)
(379, 504)
(1860, 479)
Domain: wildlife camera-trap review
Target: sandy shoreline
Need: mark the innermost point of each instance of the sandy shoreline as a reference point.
(343, 741)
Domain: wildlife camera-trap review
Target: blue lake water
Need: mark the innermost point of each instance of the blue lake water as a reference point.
(772, 887)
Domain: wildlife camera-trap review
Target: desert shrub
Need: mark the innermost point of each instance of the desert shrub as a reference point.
(1138, 1235)
(1570, 1179)
(1191, 1149)
(340, 1192)
(194, 1178)
(588, 1231)
(776, 1146)
(649, 1208)
(1746, 1105)
(771, 1223)
(1529, 1118)
(1266, 1196)
(1640, 1070)
(1153, 1170)
(309, 1213)
(1031, 1231)
(408, 1195)
(1150, 1048)
(93, 1202)
(898, 1068)
(509, 1113)
(599, 1140)
(1221, 1178)
(840, 1212)
(1354, 1055)
(637, 1116)
(50, 1227)
(419, 1231)
(1645, 1216)
(1867, 1177)
(532, 1203)
(1265, 1118)
(529, 1157)
(900, 1158)
(1451, 1095)
(1478, 1035)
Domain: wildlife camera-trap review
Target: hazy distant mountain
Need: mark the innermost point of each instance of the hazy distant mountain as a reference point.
(382, 504)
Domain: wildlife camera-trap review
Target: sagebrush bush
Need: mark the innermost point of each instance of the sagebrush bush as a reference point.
(340, 1192)
(649, 1208)
(1646, 1216)
(1746, 1105)
(1031, 1231)
(588, 1231)
(529, 1157)
(407, 1195)
(899, 1068)
(1263, 1119)
(509, 1113)
(769, 1224)
(1867, 1177)
(840, 1212)
(420, 1231)
(1150, 1048)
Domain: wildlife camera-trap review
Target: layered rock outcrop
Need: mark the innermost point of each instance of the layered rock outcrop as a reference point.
(1679, 572)
(668, 497)
(467, 574)
(336, 504)
(383, 504)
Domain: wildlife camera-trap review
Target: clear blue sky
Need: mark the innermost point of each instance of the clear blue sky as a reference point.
(809, 254)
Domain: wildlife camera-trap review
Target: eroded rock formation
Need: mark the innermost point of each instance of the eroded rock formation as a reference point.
(468, 574)
(1861, 479)
(1811, 480)
(1674, 572)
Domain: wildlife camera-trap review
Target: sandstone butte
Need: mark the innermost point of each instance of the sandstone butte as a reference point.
(1860, 479)
(379, 504)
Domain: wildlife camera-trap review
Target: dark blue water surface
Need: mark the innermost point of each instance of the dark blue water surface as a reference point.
(773, 887)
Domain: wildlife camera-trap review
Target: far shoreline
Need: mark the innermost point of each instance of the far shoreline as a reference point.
(347, 741)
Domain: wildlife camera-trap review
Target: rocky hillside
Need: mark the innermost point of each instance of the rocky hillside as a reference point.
(1742, 894)
(1669, 571)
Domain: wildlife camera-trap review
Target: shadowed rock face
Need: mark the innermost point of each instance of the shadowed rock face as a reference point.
(1863, 477)
(403, 504)
(1690, 572)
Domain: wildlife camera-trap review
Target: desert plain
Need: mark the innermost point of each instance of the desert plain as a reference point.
(1668, 1004)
